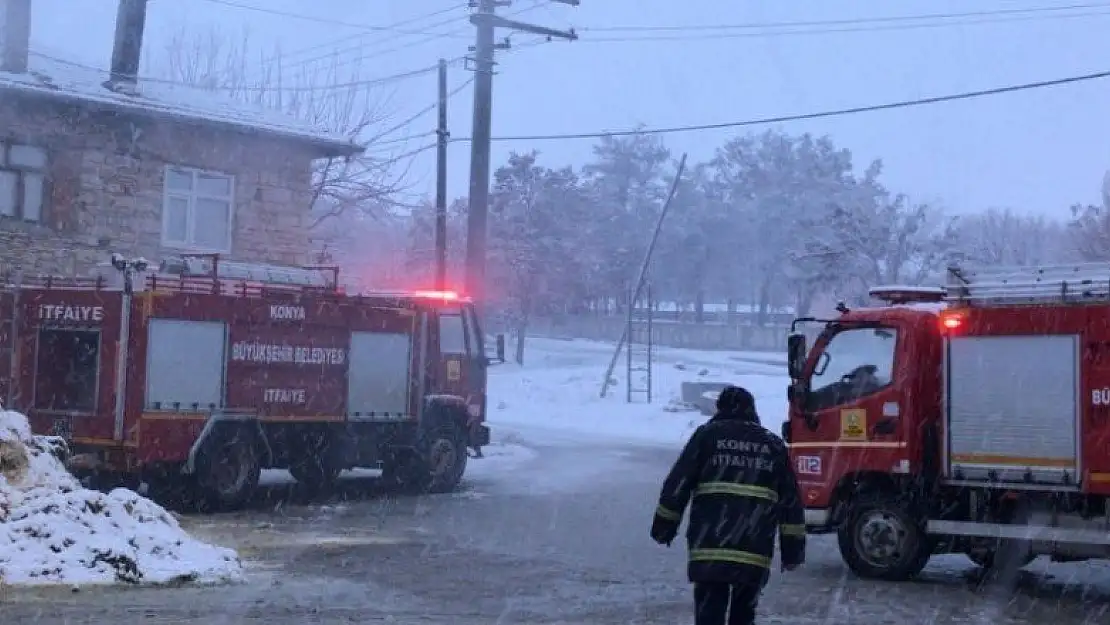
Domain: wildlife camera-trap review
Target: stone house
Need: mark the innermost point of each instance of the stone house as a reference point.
(93, 163)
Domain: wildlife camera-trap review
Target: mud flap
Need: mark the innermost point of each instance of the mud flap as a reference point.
(479, 436)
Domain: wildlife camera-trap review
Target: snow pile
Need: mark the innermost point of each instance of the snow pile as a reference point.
(53, 531)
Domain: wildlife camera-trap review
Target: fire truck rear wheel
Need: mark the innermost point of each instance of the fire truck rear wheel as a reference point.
(881, 539)
(228, 470)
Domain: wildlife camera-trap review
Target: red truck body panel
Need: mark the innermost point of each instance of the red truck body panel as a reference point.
(1090, 324)
(287, 356)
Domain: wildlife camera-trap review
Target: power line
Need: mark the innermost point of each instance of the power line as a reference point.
(967, 95)
(332, 43)
(369, 82)
(848, 29)
(318, 20)
(362, 57)
(415, 116)
(851, 21)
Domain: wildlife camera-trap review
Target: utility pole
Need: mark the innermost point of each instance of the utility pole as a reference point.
(486, 21)
(441, 181)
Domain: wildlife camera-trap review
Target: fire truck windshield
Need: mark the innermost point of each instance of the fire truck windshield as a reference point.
(854, 363)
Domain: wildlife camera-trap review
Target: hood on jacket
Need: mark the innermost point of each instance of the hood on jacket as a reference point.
(736, 402)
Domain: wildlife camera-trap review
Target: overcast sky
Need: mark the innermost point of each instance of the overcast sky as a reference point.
(1036, 151)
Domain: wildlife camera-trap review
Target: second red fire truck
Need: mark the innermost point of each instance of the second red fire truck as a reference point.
(973, 418)
(206, 371)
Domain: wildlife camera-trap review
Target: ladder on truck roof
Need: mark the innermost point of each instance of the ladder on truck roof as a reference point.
(213, 269)
(1072, 284)
(193, 273)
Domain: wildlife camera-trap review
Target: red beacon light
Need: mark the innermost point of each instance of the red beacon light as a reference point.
(951, 321)
(449, 296)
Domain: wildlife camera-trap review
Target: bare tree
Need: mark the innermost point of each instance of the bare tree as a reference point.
(1090, 226)
(326, 92)
(1003, 237)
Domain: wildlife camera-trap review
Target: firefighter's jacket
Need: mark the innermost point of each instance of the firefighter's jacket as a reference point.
(744, 491)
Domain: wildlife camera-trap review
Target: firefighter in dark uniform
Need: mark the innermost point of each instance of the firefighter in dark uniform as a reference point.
(744, 491)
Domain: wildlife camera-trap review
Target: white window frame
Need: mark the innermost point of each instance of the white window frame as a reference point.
(191, 198)
(22, 170)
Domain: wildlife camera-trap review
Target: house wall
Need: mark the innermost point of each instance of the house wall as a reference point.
(105, 187)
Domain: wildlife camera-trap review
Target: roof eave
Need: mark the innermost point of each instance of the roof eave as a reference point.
(327, 148)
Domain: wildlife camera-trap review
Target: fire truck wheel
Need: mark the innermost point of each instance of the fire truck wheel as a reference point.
(880, 539)
(446, 456)
(228, 470)
(438, 464)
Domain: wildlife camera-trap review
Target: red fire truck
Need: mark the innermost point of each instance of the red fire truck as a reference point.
(206, 371)
(973, 418)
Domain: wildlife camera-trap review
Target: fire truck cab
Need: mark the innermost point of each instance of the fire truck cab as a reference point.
(204, 371)
(973, 419)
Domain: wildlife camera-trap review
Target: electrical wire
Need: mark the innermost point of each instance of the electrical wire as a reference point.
(415, 116)
(369, 82)
(847, 29)
(330, 44)
(319, 20)
(851, 21)
(364, 57)
(966, 95)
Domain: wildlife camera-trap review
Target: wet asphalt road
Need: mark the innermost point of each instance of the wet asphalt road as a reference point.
(561, 540)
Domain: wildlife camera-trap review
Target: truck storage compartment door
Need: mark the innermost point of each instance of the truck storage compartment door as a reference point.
(1012, 414)
(185, 365)
(378, 376)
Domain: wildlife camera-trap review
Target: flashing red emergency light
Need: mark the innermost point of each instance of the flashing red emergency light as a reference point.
(951, 321)
(450, 296)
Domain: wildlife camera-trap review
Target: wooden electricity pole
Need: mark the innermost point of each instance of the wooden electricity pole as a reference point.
(441, 181)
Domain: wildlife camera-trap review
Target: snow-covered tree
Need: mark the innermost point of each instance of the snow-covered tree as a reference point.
(627, 183)
(779, 191)
(534, 262)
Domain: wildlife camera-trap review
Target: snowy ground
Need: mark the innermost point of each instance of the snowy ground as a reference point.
(551, 527)
(556, 392)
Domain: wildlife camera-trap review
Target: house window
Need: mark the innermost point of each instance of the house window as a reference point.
(22, 181)
(197, 210)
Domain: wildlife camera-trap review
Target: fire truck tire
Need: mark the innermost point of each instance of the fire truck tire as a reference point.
(228, 469)
(881, 539)
(436, 465)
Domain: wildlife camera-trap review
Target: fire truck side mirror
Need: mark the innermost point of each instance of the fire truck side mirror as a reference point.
(500, 347)
(795, 355)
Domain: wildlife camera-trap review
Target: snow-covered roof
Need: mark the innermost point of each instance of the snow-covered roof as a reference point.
(83, 85)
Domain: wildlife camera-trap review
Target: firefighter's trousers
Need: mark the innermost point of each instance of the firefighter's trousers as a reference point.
(725, 604)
